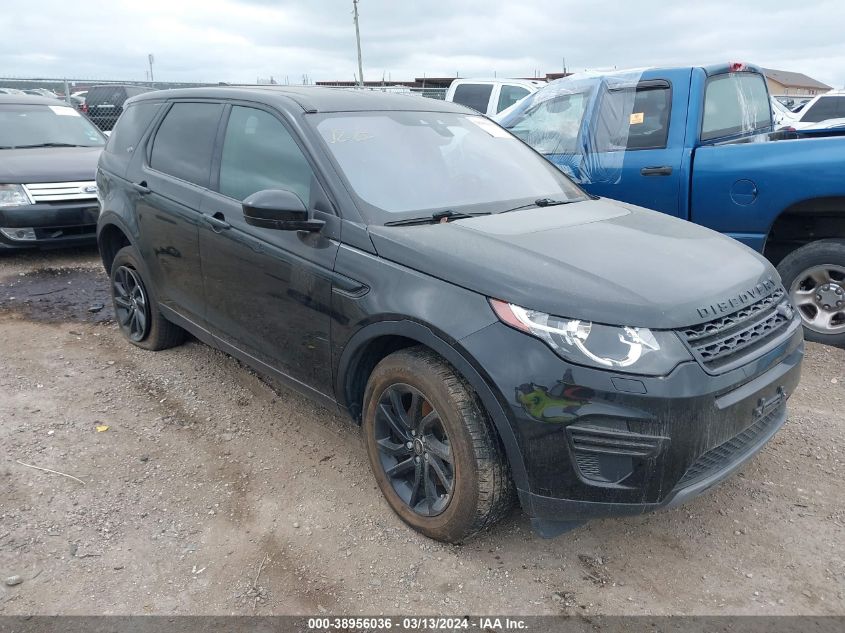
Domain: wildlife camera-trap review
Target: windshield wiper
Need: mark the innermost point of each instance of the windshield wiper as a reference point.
(540, 202)
(435, 218)
(50, 145)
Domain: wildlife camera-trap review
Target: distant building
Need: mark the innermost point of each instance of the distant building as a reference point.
(784, 82)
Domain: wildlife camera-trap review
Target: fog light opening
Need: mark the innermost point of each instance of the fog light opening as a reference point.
(19, 234)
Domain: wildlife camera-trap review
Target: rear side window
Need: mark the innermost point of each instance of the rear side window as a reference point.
(648, 125)
(109, 95)
(475, 96)
(259, 153)
(634, 119)
(185, 140)
(825, 108)
(508, 95)
(131, 127)
(735, 103)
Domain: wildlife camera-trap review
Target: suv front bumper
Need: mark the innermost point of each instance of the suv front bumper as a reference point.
(54, 224)
(596, 443)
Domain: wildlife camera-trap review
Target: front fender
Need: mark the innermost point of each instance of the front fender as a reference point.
(457, 357)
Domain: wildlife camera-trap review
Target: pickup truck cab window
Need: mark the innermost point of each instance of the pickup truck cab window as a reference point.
(259, 153)
(185, 140)
(551, 125)
(735, 103)
(634, 121)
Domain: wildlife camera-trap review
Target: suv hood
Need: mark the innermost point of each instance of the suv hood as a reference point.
(596, 260)
(48, 164)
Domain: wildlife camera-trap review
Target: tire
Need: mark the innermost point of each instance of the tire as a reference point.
(132, 295)
(449, 421)
(814, 276)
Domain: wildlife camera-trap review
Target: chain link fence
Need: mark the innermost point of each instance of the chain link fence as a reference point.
(102, 100)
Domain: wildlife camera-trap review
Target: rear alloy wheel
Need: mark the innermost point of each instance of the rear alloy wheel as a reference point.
(130, 304)
(135, 306)
(432, 449)
(815, 277)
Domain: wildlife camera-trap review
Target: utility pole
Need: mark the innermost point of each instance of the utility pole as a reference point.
(151, 59)
(358, 40)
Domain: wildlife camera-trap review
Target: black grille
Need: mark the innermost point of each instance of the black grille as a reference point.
(721, 342)
(725, 454)
(589, 465)
(589, 439)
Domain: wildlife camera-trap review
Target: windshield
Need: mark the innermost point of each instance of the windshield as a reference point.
(27, 125)
(398, 162)
(551, 126)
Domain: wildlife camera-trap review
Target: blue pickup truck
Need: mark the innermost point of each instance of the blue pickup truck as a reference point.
(698, 143)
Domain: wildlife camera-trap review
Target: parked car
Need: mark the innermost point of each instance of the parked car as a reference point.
(697, 143)
(830, 105)
(830, 127)
(781, 115)
(104, 104)
(11, 91)
(792, 102)
(492, 326)
(48, 158)
(41, 92)
(491, 96)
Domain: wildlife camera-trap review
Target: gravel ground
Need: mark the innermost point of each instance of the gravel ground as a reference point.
(214, 491)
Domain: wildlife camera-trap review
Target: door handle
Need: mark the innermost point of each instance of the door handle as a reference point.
(656, 171)
(140, 187)
(217, 221)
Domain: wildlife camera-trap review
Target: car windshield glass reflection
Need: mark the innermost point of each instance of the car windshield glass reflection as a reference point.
(418, 161)
(25, 125)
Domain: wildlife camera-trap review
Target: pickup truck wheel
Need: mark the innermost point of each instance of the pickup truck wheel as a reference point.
(815, 277)
(135, 307)
(432, 450)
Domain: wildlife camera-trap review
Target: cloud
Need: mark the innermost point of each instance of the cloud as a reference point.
(242, 40)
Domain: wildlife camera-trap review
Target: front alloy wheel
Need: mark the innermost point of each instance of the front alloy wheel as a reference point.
(414, 449)
(130, 303)
(434, 452)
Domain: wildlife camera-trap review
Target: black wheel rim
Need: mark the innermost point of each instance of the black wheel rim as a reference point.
(414, 450)
(130, 303)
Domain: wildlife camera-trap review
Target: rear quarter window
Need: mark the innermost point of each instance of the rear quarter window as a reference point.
(131, 127)
(114, 95)
(475, 96)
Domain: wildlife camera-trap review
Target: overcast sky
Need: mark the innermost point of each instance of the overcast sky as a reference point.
(242, 40)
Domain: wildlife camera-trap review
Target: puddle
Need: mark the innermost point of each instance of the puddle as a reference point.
(58, 294)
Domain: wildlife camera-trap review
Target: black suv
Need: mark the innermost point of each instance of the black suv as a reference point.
(104, 104)
(496, 330)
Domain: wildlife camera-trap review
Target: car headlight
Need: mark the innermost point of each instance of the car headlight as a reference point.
(618, 348)
(13, 196)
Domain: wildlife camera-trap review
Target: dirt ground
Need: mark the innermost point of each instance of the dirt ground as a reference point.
(214, 491)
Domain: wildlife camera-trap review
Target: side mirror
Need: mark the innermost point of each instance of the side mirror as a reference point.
(278, 209)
